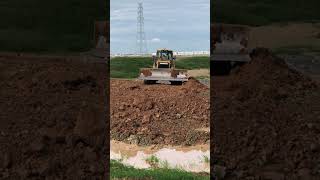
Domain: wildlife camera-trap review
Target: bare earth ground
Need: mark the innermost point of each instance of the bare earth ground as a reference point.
(159, 114)
(266, 122)
(199, 73)
(285, 35)
(307, 64)
(202, 75)
(52, 118)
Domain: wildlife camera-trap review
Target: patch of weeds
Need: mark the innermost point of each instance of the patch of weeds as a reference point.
(164, 164)
(203, 77)
(123, 157)
(153, 161)
(206, 159)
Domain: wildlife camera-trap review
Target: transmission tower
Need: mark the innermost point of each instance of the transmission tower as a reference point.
(141, 36)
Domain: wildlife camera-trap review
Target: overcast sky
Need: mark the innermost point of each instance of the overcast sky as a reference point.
(181, 25)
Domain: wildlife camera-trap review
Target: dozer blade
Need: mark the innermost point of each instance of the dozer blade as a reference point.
(150, 74)
(230, 42)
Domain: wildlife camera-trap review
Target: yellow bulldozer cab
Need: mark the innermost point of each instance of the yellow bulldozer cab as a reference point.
(163, 59)
(163, 69)
(165, 54)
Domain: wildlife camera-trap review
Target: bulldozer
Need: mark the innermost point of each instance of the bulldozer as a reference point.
(163, 69)
(229, 47)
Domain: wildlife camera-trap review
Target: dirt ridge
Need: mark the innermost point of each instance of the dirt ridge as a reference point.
(266, 121)
(159, 114)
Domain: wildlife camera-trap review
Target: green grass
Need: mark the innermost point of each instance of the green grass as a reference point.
(119, 170)
(206, 159)
(203, 77)
(299, 49)
(49, 26)
(263, 12)
(153, 161)
(193, 63)
(128, 67)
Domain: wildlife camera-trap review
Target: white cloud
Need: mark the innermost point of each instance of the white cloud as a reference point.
(155, 40)
(116, 11)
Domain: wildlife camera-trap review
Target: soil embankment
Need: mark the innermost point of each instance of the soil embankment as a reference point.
(266, 121)
(159, 114)
(53, 118)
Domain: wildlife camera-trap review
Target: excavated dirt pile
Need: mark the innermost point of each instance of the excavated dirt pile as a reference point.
(52, 119)
(159, 114)
(266, 122)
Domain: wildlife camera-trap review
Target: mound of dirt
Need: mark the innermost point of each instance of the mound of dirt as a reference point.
(52, 119)
(266, 121)
(159, 114)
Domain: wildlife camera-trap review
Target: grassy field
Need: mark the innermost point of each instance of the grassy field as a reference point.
(49, 26)
(193, 63)
(118, 170)
(128, 67)
(298, 50)
(252, 12)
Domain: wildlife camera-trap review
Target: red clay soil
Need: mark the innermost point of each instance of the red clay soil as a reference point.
(159, 114)
(266, 122)
(52, 119)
